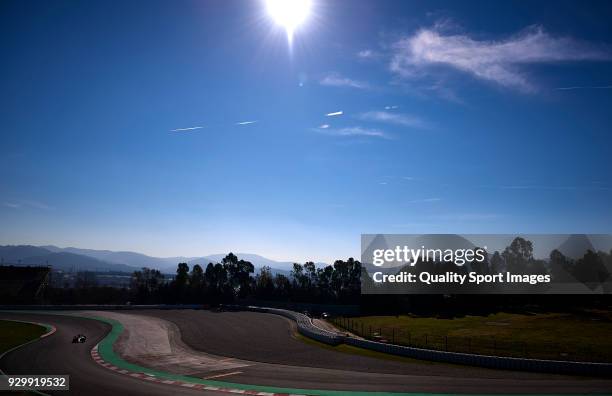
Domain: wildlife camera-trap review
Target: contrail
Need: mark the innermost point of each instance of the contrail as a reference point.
(336, 113)
(186, 129)
(585, 87)
(246, 122)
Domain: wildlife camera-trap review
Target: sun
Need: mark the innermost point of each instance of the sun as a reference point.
(289, 13)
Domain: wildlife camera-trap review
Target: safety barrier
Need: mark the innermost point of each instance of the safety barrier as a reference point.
(307, 328)
(497, 362)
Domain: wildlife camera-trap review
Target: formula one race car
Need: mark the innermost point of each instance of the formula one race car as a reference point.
(78, 339)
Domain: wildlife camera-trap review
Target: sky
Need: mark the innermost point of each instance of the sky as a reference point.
(197, 127)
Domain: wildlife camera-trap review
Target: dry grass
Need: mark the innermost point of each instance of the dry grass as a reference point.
(560, 336)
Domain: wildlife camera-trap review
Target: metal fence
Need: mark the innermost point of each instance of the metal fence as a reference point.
(490, 346)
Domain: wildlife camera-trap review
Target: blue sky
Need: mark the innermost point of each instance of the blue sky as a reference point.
(458, 117)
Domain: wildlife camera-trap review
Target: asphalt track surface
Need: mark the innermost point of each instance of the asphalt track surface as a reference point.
(278, 359)
(287, 361)
(57, 354)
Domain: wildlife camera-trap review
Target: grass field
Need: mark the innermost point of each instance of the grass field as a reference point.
(15, 333)
(583, 337)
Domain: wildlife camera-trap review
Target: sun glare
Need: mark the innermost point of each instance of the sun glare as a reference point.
(289, 13)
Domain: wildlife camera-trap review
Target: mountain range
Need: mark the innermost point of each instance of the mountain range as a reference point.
(76, 259)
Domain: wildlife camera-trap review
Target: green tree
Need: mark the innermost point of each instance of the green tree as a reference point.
(518, 255)
(497, 263)
(264, 283)
(239, 274)
(146, 284)
(590, 270)
(197, 283)
(181, 282)
(282, 287)
(561, 267)
(310, 271)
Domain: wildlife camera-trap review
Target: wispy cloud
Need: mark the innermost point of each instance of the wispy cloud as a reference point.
(405, 120)
(334, 114)
(560, 188)
(25, 204)
(336, 80)
(354, 131)
(499, 61)
(461, 217)
(424, 200)
(394, 107)
(186, 129)
(324, 126)
(245, 122)
(584, 87)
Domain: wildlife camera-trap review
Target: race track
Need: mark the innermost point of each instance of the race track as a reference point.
(284, 360)
(262, 350)
(57, 355)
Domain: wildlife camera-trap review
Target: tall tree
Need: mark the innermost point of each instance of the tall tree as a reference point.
(264, 283)
(239, 274)
(180, 282)
(497, 263)
(518, 255)
(197, 283)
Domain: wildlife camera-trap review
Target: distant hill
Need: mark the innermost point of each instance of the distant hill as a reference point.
(71, 258)
(65, 261)
(257, 261)
(13, 254)
(132, 259)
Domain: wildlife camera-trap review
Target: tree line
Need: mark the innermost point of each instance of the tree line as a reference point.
(233, 279)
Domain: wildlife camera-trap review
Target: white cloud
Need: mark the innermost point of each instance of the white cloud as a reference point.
(368, 54)
(335, 113)
(324, 126)
(336, 80)
(186, 129)
(394, 107)
(12, 205)
(245, 122)
(496, 61)
(405, 120)
(354, 131)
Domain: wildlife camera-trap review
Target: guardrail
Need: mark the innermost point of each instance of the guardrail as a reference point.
(497, 362)
(307, 328)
